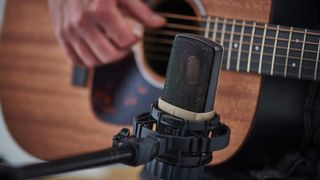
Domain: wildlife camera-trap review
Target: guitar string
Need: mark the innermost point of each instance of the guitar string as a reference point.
(165, 59)
(173, 33)
(199, 29)
(268, 72)
(169, 42)
(256, 69)
(204, 19)
(176, 26)
(165, 50)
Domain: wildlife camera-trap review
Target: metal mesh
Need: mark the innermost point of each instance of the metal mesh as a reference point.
(188, 74)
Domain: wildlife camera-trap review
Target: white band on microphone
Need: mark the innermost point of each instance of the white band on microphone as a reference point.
(184, 114)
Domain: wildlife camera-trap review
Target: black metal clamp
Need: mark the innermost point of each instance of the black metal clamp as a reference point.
(175, 144)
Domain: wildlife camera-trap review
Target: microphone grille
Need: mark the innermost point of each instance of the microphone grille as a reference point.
(189, 73)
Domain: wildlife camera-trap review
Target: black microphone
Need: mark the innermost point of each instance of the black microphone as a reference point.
(192, 77)
(184, 116)
(192, 74)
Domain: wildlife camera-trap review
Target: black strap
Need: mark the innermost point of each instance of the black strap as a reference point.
(285, 167)
(307, 158)
(312, 116)
(318, 171)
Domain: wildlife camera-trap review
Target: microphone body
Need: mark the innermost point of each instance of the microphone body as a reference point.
(192, 74)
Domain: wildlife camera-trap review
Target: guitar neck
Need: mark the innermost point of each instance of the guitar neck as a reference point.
(265, 48)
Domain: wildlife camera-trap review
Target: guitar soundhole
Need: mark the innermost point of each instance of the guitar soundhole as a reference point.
(157, 42)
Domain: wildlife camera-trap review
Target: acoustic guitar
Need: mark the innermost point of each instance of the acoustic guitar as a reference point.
(51, 117)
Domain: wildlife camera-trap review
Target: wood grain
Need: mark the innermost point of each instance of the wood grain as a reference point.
(46, 115)
(50, 118)
(254, 10)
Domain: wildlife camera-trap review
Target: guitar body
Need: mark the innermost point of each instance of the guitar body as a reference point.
(49, 117)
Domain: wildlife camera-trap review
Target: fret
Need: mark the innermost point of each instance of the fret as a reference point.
(235, 45)
(223, 32)
(240, 45)
(268, 50)
(244, 47)
(295, 52)
(309, 63)
(219, 33)
(230, 44)
(281, 51)
(262, 48)
(317, 61)
(256, 48)
(224, 40)
(215, 28)
(220, 36)
(251, 46)
(301, 59)
(207, 27)
(288, 51)
(274, 50)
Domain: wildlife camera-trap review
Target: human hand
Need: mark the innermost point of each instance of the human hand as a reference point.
(94, 32)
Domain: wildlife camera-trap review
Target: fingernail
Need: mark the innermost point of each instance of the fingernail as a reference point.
(137, 31)
(157, 17)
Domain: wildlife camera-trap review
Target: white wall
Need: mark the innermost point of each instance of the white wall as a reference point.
(2, 5)
(9, 149)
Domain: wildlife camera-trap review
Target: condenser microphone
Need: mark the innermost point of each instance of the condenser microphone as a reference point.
(192, 77)
(184, 115)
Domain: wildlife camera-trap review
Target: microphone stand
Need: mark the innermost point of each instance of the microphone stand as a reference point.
(130, 150)
(100, 158)
(145, 146)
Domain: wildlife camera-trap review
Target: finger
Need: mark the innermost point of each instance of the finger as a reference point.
(99, 44)
(114, 24)
(143, 13)
(80, 48)
(72, 56)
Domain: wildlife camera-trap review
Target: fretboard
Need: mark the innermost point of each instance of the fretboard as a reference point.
(265, 48)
